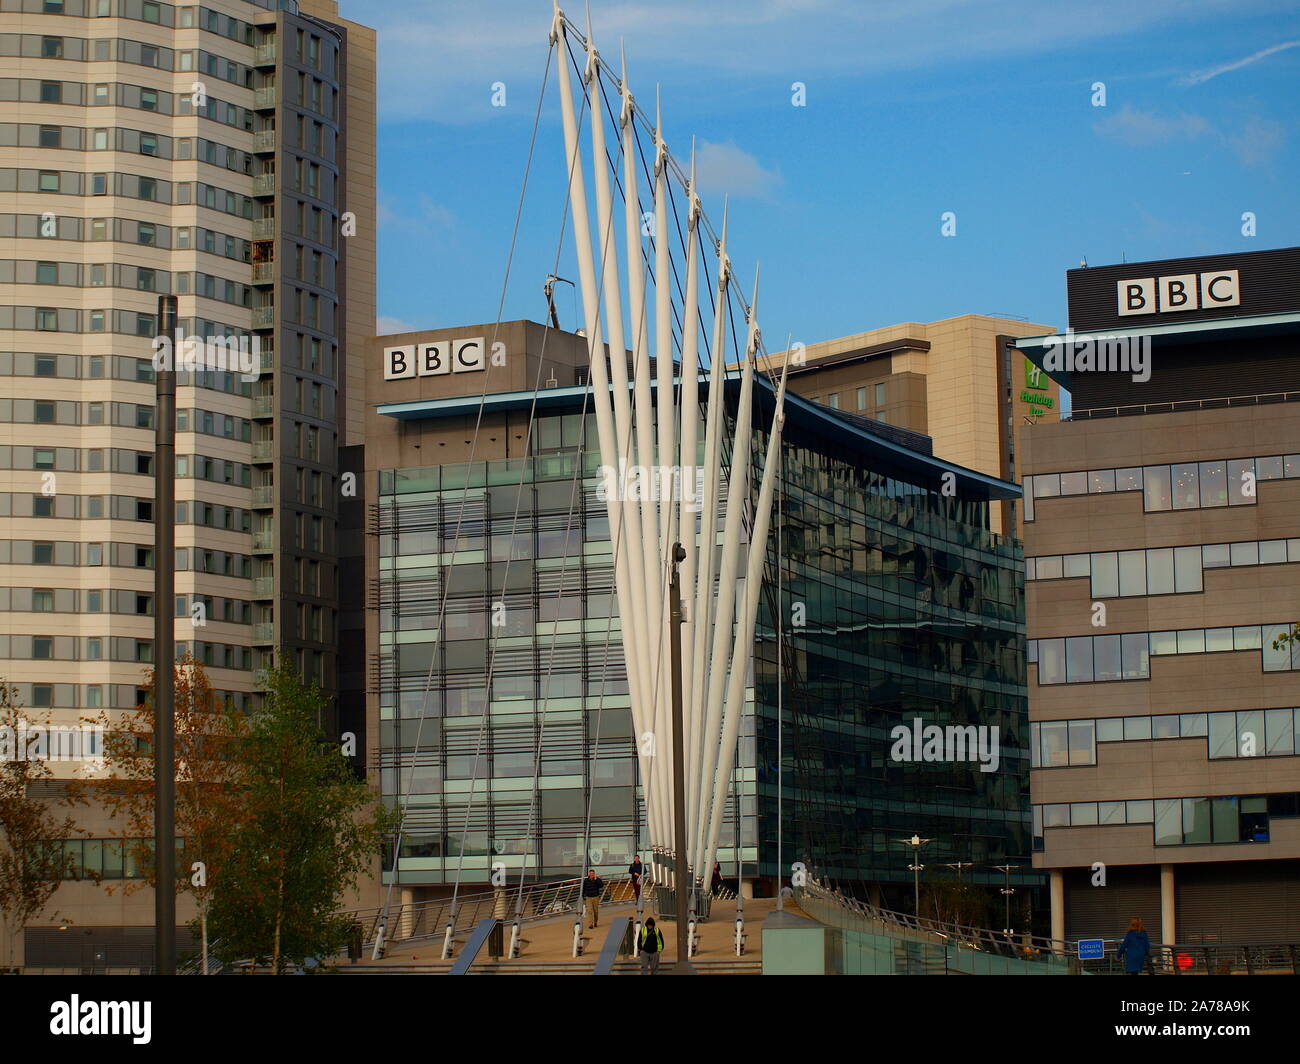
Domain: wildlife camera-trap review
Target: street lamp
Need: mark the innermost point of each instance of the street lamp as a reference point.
(916, 842)
(1007, 892)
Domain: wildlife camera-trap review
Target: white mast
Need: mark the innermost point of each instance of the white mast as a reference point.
(737, 493)
(743, 649)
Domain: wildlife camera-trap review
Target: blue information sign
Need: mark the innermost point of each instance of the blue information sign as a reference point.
(1091, 949)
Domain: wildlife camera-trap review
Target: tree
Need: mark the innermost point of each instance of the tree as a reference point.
(310, 830)
(31, 869)
(953, 900)
(209, 772)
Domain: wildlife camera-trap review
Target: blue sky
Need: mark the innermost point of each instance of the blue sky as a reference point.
(914, 108)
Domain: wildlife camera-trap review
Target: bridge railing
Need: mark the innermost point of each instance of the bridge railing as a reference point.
(1177, 959)
(538, 901)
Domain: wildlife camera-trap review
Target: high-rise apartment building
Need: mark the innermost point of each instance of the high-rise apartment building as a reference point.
(1162, 544)
(221, 153)
(959, 381)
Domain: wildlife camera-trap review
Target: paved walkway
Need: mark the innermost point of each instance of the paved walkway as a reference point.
(549, 942)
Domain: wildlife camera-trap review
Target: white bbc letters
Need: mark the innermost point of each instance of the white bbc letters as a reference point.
(1176, 293)
(434, 358)
(399, 363)
(469, 355)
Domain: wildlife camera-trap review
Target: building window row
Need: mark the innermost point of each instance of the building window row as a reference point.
(118, 460)
(68, 507)
(118, 275)
(127, 186)
(126, 231)
(129, 322)
(129, 603)
(76, 648)
(103, 696)
(132, 141)
(1106, 658)
(118, 94)
(1159, 570)
(123, 50)
(106, 859)
(1230, 734)
(1176, 821)
(125, 415)
(122, 555)
(1178, 486)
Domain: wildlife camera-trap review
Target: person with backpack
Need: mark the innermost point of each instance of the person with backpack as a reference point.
(592, 888)
(1135, 948)
(651, 945)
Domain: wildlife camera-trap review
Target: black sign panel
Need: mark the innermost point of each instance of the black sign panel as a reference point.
(1169, 291)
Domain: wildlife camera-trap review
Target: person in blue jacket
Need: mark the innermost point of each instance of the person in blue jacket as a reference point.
(1135, 948)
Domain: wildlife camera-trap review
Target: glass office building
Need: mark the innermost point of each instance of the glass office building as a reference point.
(899, 605)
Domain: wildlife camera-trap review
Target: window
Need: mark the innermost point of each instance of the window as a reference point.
(51, 92)
(99, 184)
(51, 137)
(1156, 488)
(51, 47)
(149, 99)
(48, 181)
(47, 319)
(151, 11)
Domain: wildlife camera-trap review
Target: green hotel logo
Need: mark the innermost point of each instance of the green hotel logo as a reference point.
(1036, 382)
(1035, 377)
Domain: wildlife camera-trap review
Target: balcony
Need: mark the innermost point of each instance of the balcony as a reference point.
(263, 317)
(264, 273)
(265, 361)
(264, 632)
(264, 540)
(263, 587)
(265, 53)
(263, 406)
(264, 140)
(264, 185)
(264, 450)
(263, 228)
(263, 495)
(264, 98)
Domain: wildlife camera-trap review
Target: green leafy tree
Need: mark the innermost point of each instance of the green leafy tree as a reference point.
(209, 767)
(31, 869)
(310, 830)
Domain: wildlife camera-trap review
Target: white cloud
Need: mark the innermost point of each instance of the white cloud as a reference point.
(1213, 72)
(729, 170)
(388, 326)
(1141, 128)
(439, 60)
(1258, 141)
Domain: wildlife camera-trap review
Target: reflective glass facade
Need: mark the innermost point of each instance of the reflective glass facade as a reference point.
(898, 605)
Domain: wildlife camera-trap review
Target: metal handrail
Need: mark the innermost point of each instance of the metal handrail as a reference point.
(1174, 406)
(538, 901)
(1175, 959)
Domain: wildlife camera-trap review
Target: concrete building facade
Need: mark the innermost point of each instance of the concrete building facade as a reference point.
(224, 154)
(1163, 567)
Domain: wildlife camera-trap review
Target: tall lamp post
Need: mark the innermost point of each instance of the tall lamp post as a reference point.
(685, 887)
(916, 842)
(1007, 892)
(164, 645)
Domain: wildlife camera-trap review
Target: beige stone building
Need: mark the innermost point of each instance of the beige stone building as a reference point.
(958, 381)
(224, 154)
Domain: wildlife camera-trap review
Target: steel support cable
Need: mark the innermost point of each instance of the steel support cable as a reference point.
(404, 795)
(523, 474)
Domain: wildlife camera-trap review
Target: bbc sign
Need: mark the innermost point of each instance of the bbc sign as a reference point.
(432, 359)
(1169, 295)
